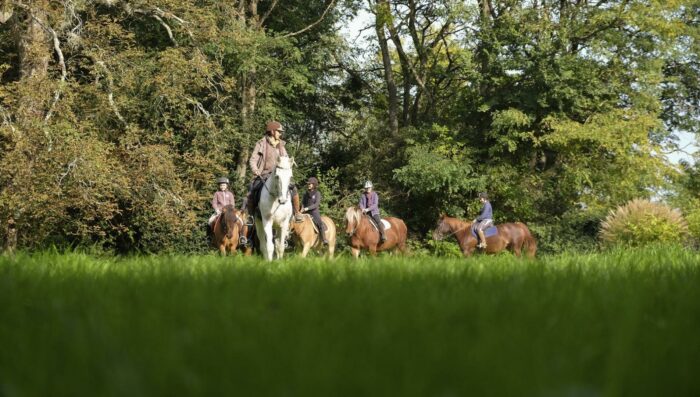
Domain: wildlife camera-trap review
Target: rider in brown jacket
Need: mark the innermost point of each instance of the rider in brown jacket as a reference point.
(263, 161)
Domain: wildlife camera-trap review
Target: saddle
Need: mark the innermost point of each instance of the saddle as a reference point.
(488, 232)
(304, 216)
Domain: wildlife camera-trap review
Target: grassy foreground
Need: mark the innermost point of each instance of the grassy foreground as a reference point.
(623, 323)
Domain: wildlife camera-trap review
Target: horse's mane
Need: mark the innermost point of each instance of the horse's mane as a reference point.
(353, 214)
(455, 221)
(284, 162)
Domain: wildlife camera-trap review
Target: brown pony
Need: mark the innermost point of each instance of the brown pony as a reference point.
(362, 234)
(306, 235)
(510, 235)
(228, 227)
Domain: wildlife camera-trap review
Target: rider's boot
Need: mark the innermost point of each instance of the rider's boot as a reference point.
(380, 226)
(243, 240)
(322, 229)
(382, 233)
(250, 210)
(482, 244)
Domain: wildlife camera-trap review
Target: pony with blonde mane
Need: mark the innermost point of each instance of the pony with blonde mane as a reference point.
(308, 237)
(362, 234)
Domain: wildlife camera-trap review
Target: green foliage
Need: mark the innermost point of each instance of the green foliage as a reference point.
(642, 222)
(560, 110)
(159, 99)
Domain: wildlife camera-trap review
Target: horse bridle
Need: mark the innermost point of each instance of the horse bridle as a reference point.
(238, 220)
(274, 175)
(456, 231)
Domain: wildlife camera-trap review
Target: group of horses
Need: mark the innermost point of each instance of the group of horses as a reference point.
(274, 221)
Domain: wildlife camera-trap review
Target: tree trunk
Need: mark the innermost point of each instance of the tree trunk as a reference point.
(388, 72)
(34, 48)
(248, 94)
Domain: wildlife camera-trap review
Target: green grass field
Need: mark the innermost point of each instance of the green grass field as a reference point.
(621, 323)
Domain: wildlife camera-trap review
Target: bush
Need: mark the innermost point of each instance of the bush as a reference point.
(641, 222)
(692, 217)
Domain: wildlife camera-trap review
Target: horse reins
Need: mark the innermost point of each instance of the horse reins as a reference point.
(457, 231)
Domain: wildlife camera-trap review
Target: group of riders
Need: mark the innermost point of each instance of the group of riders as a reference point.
(263, 161)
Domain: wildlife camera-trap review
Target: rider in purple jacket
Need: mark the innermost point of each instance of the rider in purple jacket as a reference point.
(369, 204)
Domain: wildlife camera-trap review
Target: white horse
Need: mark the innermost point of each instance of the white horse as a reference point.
(275, 210)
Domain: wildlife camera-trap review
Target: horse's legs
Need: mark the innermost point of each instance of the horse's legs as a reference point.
(266, 244)
(331, 249)
(355, 252)
(517, 246)
(469, 248)
(305, 249)
(372, 250)
(281, 239)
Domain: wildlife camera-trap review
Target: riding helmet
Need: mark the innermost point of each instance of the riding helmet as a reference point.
(274, 126)
(313, 180)
(221, 180)
(368, 184)
(483, 195)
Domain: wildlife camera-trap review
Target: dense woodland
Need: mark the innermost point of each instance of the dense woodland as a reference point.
(117, 116)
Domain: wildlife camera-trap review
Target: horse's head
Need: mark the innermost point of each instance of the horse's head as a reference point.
(352, 219)
(282, 177)
(441, 228)
(229, 220)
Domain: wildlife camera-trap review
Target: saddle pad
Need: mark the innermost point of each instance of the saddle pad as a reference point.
(386, 224)
(489, 232)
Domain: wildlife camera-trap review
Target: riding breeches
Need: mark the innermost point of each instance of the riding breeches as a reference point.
(378, 221)
(483, 224)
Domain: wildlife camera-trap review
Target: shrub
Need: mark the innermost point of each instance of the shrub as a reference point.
(693, 218)
(641, 222)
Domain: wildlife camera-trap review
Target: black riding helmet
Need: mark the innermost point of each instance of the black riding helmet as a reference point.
(483, 195)
(221, 180)
(313, 181)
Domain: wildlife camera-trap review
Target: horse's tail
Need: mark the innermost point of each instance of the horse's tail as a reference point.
(530, 242)
(403, 236)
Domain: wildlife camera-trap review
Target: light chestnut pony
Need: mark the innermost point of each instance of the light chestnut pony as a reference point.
(307, 237)
(228, 227)
(515, 236)
(363, 235)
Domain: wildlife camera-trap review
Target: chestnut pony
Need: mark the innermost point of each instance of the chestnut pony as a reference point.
(363, 235)
(227, 228)
(515, 236)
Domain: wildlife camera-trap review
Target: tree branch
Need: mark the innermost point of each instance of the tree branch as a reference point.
(267, 14)
(110, 96)
(158, 14)
(199, 106)
(59, 53)
(330, 5)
